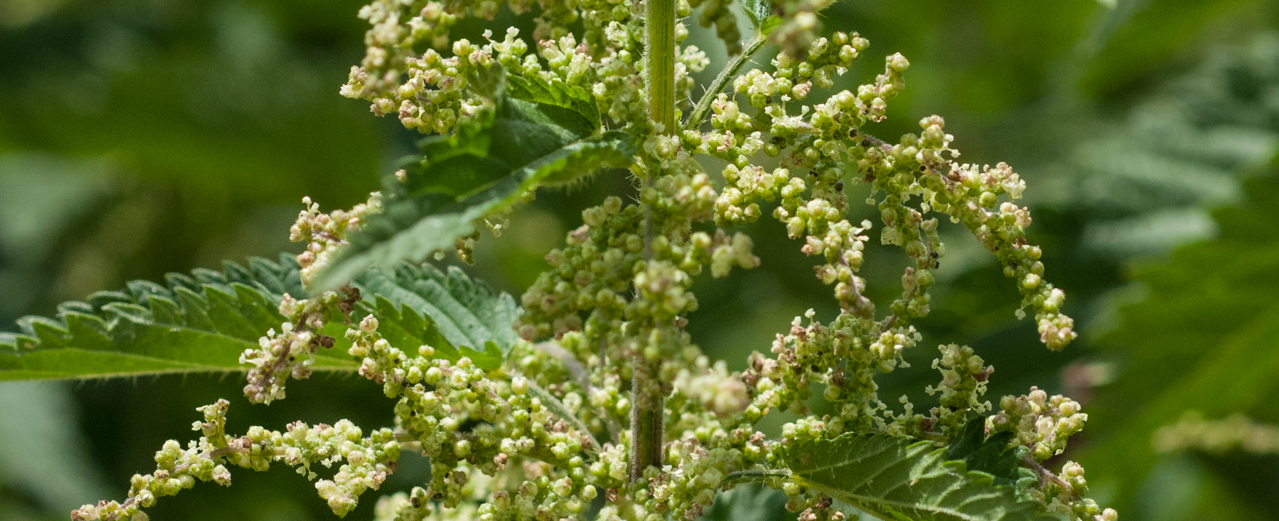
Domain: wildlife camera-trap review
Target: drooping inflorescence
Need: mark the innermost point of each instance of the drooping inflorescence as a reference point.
(546, 426)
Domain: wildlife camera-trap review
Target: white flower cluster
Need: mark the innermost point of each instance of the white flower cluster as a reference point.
(368, 460)
(324, 233)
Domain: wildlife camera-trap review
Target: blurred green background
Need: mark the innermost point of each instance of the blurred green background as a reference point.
(139, 137)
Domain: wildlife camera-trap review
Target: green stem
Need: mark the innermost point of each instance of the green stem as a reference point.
(647, 431)
(659, 33)
(703, 106)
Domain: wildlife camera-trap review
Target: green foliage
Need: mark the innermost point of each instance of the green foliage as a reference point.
(202, 322)
(992, 455)
(1147, 179)
(760, 13)
(450, 312)
(408, 312)
(1211, 310)
(1130, 40)
(197, 323)
(897, 477)
(1200, 335)
(570, 107)
(747, 502)
(483, 168)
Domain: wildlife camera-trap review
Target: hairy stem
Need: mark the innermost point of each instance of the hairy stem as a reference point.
(703, 106)
(659, 33)
(1045, 475)
(868, 140)
(646, 419)
(647, 400)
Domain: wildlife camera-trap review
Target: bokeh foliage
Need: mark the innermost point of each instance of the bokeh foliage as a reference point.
(143, 137)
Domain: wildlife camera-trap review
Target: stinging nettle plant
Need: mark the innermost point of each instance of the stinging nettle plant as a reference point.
(587, 398)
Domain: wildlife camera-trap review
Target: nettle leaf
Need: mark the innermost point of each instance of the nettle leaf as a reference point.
(748, 502)
(203, 322)
(760, 14)
(454, 314)
(538, 133)
(990, 455)
(194, 323)
(898, 477)
(570, 107)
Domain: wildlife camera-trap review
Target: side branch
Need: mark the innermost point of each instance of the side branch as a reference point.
(557, 407)
(368, 460)
(703, 106)
(868, 140)
(1045, 475)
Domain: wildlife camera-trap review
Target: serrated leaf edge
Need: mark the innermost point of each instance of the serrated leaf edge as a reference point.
(928, 459)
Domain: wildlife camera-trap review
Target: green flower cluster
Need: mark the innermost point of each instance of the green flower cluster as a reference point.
(520, 422)
(964, 377)
(716, 13)
(324, 233)
(1063, 494)
(1234, 432)
(1041, 423)
(368, 460)
(288, 354)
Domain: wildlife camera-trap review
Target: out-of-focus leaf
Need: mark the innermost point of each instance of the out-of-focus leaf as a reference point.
(1147, 180)
(1203, 339)
(42, 453)
(1150, 33)
(40, 194)
(1148, 233)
